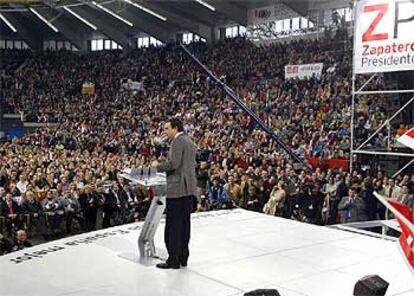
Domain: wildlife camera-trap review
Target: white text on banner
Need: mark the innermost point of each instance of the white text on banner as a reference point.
(303, 71)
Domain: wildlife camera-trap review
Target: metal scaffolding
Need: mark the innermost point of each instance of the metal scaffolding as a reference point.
(386, 123)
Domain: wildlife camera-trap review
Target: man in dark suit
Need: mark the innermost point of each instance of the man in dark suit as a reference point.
(11, 211)
(352, 207)
(109, 207)
(181, 190)
(90, 202)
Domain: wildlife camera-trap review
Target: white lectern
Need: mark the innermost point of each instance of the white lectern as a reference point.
(149, 178)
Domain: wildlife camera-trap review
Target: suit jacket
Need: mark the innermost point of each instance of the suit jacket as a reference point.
(351, 211)
(31, 207)
(110, 201)
(180, 167)
(4, 208)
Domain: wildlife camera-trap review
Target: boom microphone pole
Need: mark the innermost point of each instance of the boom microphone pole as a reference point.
(246, 109)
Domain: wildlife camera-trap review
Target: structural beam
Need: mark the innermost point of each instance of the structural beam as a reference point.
(21, 23)
(107, 24)
(143, 21)
(231, 11)
(178, 20)
(73, 30)
(193, 12)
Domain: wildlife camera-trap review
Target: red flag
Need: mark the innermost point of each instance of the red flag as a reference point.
(407, 139)
(407, 233)
(407, 242)
(403, 209)
(405, 218)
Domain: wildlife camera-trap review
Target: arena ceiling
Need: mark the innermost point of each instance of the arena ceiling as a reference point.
(121, 20)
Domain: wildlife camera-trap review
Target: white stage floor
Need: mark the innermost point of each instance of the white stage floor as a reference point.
(231, 252)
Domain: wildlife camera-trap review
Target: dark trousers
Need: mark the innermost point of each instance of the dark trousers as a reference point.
(90, 219)
(106, 221)
(177, 229)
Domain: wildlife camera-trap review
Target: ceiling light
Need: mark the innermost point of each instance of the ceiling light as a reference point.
(206, 5)
(80, 18)
(8, 23)
(44, 20)
(163, 18)
(113, 14)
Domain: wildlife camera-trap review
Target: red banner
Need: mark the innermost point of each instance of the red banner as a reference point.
(333, 163)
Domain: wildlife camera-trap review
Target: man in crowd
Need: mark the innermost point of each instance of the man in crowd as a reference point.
(21, 241)
(11, 211)
(352, 207)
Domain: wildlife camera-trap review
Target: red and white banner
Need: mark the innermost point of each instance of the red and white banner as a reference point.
(407, 139)
(384, 38)
(405, 218)
(303, 71)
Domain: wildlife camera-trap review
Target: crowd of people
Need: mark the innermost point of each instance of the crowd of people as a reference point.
(64, 178)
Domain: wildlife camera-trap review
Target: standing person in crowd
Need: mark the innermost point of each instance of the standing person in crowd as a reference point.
(127, 202)
(181, 190)
(72, 207)
(202, 180)
(378, 187)
(352, 207)
(234, 191)
(312, 203)
(22, 184)
(217, 194)
(392, 190)
(406, 197)
(276, 203)
(329, 191)
(253, 199)
(110, 206)
(52, 207)
(335, 198)
(11, 211)
(90, 202)
(122, 204)
(367, 195)
(33, 212)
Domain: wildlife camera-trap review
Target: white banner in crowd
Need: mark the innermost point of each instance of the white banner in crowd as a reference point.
(133, 85)
(384, 36)
(278, 11)
(303, 71)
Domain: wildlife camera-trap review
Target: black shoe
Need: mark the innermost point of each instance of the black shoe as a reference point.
(167, 266)
(183, 264)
